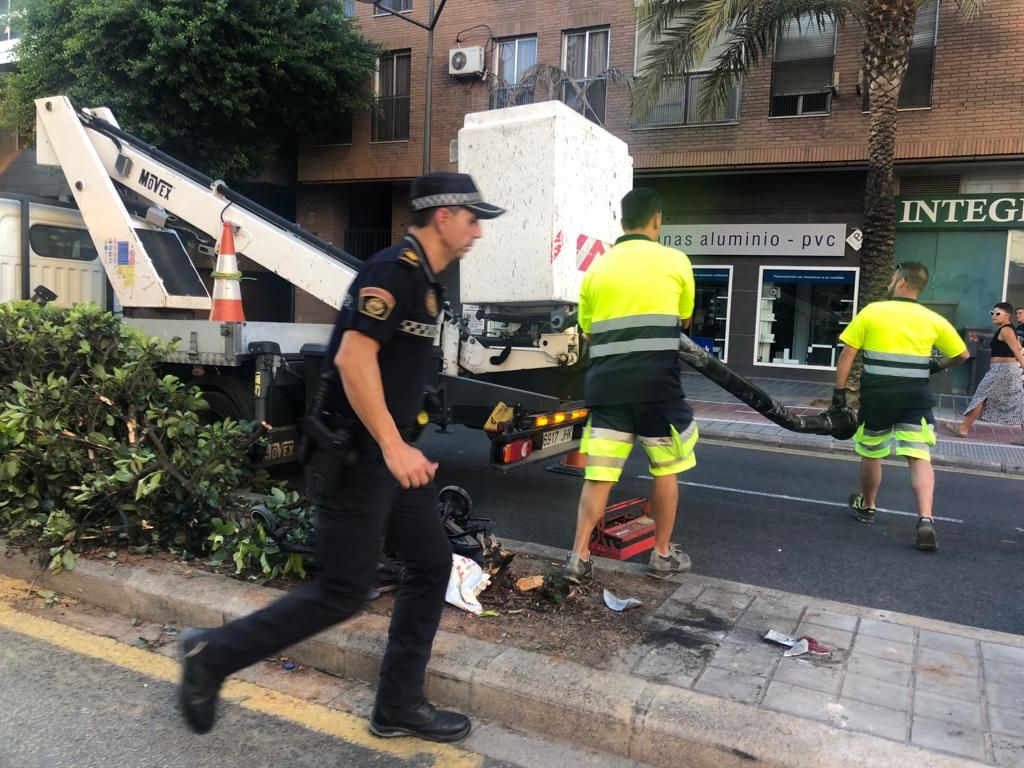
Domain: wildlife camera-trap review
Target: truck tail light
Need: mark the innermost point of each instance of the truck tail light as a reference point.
(517, 450)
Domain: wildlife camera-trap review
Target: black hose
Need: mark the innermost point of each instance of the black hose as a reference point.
(841, 423)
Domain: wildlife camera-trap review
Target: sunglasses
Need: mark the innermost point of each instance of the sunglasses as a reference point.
(997, 312)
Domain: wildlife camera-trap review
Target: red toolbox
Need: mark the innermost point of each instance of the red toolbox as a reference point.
(624, 531)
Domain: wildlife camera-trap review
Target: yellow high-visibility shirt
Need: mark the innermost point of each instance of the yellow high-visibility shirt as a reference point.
(631, 303)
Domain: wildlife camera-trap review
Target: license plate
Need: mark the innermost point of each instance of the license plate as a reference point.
(555, 437)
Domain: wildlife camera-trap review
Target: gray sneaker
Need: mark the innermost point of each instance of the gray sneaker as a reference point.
(577, 571)
(677, 562)
(926, 540)
(863, 514)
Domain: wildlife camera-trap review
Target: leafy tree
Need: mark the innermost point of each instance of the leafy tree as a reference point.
(685, 30)
(220, 84)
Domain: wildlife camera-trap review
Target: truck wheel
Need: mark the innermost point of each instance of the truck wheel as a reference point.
(222, 406)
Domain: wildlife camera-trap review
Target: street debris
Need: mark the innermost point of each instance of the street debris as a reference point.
(528, 583)
(467, 580)
(618, 604)
(796, 646)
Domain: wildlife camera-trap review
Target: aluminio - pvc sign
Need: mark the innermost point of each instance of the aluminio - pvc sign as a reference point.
(960, 212)
(756, 239)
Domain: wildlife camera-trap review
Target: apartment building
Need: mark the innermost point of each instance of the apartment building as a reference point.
(766, 196)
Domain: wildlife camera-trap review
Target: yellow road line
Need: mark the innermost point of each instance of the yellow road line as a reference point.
(315, 717)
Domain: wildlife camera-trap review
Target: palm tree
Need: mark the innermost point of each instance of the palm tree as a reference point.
(747, 30)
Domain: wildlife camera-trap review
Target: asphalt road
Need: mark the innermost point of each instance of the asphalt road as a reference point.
(779, 519)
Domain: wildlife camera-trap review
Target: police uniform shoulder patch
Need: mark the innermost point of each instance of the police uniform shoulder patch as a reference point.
(409, 258)
(375, 302)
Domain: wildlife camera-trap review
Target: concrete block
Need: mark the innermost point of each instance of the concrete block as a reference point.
(939, 641)
(666, 665)
(887, 630)
(954, 686)
(1008, 750)
(1004, 654)
(876, 692)
(947, 663)
(802, 702)
(831, 619)
(1007, 721)
(738, 686)
(454, 661)
(807, 674)
(951, 710)
(880, 669)
(871, 718)
(883, 649)
(948, 737)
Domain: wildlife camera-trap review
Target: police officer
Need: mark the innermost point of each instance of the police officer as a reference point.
(634, 302)
(367, 481)
(897, 336)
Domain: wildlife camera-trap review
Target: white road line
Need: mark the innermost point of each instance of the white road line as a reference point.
(802, 499)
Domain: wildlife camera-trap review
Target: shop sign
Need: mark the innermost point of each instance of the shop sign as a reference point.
(756, 239)
(960, 212)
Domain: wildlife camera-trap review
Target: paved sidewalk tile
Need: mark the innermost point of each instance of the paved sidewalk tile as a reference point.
(1004, 654)
(669, 665)
(760, 621)
(730, 598)
(1006, 721)
(947, 663)
(948, 737)
(938, 707)
(747, 658)
(790, 609)
(1004, 674)
(883, 649)
(954, 686)
(799, 701)
(733, 685)
(887, 630)
(835, 638)
(830, 619)
(870, 718)
(873, 691)
(1009, 750)
(937, 641)
(807, 674)
(1005, 696)
(880, 669)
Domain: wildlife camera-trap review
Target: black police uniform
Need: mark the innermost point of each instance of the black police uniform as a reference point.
(395, 299)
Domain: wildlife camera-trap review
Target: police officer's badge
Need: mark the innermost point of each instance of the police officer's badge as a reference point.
(376, 302)
(409, 258)
(431, 300)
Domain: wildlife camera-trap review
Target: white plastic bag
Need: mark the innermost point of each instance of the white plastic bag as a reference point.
(467, 580)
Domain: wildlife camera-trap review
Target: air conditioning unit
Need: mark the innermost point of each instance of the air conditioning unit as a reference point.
(466, 62)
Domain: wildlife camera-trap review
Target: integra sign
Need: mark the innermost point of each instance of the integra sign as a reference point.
(960, 212)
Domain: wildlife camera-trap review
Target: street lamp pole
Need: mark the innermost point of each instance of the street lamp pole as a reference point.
(432, 16)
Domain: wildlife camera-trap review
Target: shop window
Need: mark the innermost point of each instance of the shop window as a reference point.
(801, 312)
(802, 69)
(709, 326)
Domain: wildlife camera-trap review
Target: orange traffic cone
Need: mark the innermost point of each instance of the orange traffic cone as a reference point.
(572, 463)
(227, 291)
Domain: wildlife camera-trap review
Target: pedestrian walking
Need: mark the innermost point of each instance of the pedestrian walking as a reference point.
(366, 480)
(1019, 319)
(634, 302)
(897, 336)
(999, 398)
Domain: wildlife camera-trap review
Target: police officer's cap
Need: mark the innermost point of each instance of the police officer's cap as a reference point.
(443, 189)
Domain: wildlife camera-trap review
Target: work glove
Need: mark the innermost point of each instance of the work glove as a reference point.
(838, 398)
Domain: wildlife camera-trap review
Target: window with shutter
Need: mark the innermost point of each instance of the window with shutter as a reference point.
(802, 68)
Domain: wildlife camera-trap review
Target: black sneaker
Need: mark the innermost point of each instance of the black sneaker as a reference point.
(660, 566)
(578, 571)
(424, 722)
(926, 540)
(863, 514)
(199, 689)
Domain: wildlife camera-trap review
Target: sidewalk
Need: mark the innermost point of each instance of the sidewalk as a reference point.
(700, 688)
(990, 447)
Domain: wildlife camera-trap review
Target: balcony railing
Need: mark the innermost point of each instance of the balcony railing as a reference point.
(390, 119)
(680, 104)
(511, 96)
(589, 97)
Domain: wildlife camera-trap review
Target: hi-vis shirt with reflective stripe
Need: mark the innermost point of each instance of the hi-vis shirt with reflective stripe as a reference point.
(631, 302)
(897, 337)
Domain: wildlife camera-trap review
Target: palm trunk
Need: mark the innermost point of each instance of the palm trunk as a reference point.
(889, 27)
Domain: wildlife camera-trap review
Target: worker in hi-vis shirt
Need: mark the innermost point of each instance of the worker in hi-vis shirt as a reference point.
(897, 336)
(634, 302)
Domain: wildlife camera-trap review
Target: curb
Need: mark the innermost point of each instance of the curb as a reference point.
(613, 712)
(820, 443)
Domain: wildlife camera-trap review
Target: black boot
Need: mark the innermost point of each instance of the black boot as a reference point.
(424, 721)
(199, 689)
